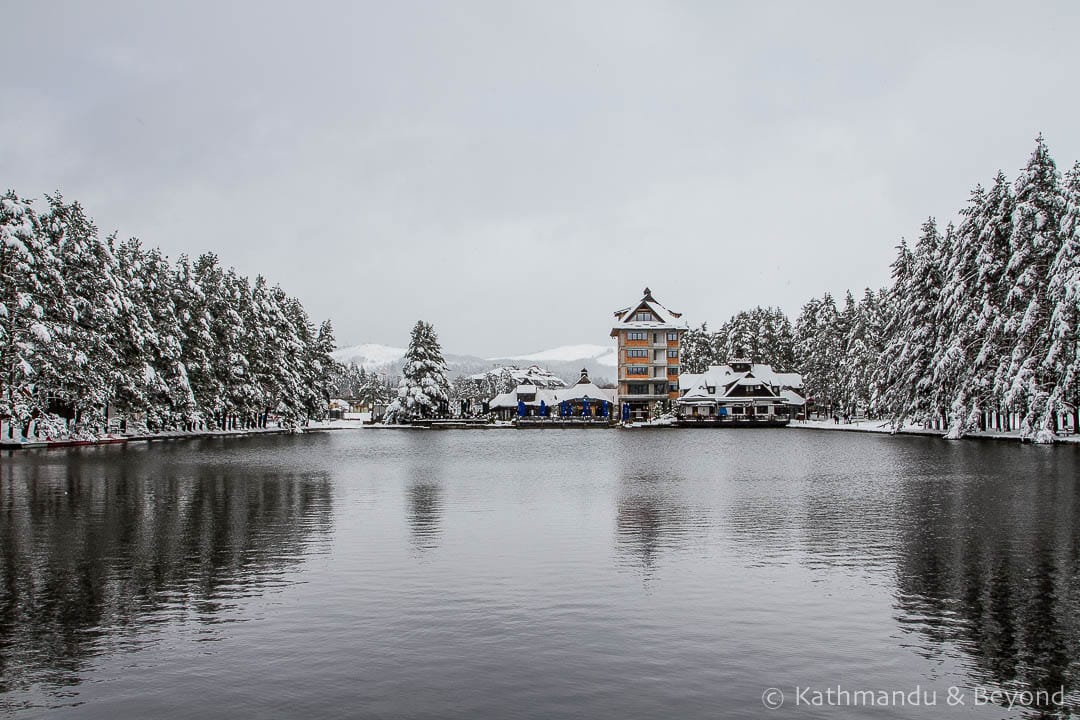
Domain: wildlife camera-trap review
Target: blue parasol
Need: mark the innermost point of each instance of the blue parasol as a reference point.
(521, 408)
(543, 409)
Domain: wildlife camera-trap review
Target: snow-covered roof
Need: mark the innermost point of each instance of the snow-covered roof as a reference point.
(792, 397)
(585, 390)
(790, 380)
(698, 395)
(665, 319)
(503, 400)
(690, 381)
(723, 380)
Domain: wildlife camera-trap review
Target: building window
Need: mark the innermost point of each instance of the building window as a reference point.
(637, 369)
(637, 335)
(637, 389)
(673, 353)
(673, 370)
(672, 387)
(637, 353)
(672, 336)
(644, 317)
(737, 410)
(763, 409)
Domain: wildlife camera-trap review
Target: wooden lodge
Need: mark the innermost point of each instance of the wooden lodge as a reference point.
(742, 394)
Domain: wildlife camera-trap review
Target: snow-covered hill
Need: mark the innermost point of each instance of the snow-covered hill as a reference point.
(369, 356)
(565, 362)
(600, 354)
(534, 374)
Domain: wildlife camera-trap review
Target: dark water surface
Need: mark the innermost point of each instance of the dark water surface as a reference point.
(543, 574)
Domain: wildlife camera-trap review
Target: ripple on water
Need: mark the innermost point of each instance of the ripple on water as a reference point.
(506, 574)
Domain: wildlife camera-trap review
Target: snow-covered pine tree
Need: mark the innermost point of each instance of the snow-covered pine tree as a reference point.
(990, 290)
(1062, 358)
(89, 316)
(697, 351)
(819, 340)
(138, 388)
(305, 398)
(957, 343)
(196, 342)
(779, 341)
(30, 283)
(740, 337)
(889, 397)
(921, 307)
(424, 390)
(322, 362)
(862, 352)
(1035, 243)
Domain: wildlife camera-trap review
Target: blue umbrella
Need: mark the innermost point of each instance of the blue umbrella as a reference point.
(604, 409)
(543, 409)
(625, 411)
(521, 408)
(563, 409)
(585, 406)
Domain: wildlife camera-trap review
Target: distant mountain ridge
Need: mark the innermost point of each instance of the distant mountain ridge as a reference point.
(565, 362)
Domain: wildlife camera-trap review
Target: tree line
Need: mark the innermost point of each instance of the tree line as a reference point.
(93, 328)
(978, 328)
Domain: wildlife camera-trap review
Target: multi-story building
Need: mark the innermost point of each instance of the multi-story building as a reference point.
(649, 338)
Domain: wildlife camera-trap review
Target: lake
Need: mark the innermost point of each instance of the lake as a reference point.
(543, 574)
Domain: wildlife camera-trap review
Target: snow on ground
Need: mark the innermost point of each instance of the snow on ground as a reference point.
(879, 426)
(337, 424)
(602, 354)
(369, 356)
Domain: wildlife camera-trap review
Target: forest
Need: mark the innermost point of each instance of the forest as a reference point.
(100, 334)
(978, 328)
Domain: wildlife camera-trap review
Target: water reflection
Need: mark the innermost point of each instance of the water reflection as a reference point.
(97, 548)
(992, 569)
(425, 513)
(652, 518)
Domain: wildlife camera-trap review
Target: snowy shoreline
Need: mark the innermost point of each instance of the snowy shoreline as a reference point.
(117, 439)
(863, 426)
(882, 427)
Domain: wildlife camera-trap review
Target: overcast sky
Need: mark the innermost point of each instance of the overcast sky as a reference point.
(514, 172)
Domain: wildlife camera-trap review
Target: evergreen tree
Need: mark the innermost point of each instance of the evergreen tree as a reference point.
(30, 282)
(1035, 243)
(89, 318)
(697, 351)
(862, 352)
(1061, 361)
(424, 390)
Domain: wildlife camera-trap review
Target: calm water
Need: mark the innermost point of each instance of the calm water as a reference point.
(663, 574)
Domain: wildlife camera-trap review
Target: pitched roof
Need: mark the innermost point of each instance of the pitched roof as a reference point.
(723, 379)
(583, 390)
(664, 318)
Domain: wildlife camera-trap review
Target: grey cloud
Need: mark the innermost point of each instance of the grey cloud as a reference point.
(513, 172)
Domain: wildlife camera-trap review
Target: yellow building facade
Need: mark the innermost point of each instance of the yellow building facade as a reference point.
(649, 340)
